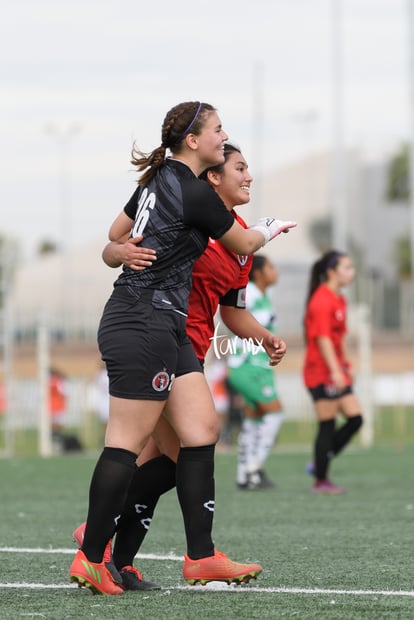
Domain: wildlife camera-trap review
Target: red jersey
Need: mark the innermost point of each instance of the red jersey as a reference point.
(325, 316)
(57, 395)
(215, 273)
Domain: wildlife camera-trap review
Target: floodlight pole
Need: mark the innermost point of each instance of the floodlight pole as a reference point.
(257, 137)
(339, 206)
(43, 364)
(63, 139)
(6, 335)
(410, 20)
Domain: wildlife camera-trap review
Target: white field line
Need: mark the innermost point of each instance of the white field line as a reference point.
(142, 556)
(213, 586)
(224, 588)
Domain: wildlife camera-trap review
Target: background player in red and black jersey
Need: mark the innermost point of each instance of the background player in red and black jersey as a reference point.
(327, 369)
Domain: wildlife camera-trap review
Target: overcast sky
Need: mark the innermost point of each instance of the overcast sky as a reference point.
(88, 77)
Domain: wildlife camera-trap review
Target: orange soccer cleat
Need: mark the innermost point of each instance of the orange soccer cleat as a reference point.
(92, 575)
(218, 567)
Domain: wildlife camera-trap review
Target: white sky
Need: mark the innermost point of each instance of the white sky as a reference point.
(105, 73)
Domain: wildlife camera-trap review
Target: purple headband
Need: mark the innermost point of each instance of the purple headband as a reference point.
(187, 131)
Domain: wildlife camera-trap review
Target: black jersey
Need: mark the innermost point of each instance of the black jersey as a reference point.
(177, 213)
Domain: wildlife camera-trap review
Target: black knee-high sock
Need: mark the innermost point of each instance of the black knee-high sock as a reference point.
(107, 494)
(343, 435)
(195, 491)
(323, 448)
(150, 481)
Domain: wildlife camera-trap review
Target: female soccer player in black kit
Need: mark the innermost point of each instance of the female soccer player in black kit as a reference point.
(149, 357)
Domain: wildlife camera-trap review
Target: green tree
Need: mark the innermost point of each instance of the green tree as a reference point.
(8, 264)
(402, 254)
(47, 247)
(398, 186)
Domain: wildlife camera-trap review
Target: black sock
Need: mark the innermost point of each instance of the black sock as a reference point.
(323, 448)
(107, 494)
(195, 491)
(343, 435)
(150, 481)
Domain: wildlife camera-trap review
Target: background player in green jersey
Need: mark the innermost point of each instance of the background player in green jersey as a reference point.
(251, 376)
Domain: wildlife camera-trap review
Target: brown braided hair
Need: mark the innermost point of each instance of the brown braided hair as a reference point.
(190, 115)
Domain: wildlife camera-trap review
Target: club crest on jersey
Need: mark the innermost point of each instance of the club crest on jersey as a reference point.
(161, 381)
(242, 258)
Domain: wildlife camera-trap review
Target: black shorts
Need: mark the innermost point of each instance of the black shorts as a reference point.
(144, 348)
(328, 392)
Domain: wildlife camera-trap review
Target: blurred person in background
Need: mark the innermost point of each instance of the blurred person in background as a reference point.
(58, 404)
(327, 370)
(57, 401)
(251, 376)
(3, 402)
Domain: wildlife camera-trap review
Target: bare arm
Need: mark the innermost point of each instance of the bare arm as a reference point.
(345, 352)
(238, 239)
(249, 240)
(123, 250)
(328, 353)
(242, 323)
(347, 359)
(120, 227)
(242, 240)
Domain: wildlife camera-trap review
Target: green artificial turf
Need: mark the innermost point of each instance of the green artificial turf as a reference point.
(336, 557)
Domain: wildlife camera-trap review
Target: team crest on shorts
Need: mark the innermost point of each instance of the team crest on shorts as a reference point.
(242, 258)
(161, 381)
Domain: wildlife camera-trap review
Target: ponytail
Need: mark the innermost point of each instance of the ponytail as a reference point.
(148, 163)
(320, 268)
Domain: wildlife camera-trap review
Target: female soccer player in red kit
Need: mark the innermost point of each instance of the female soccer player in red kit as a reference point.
(327, 369)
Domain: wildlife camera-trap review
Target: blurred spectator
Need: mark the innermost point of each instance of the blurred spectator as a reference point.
(58, 411)
(2, 399)
(57, 400)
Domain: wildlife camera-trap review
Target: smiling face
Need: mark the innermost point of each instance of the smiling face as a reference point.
(209, 143)
(233, 183)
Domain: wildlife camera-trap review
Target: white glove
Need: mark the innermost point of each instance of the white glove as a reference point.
(270, 227)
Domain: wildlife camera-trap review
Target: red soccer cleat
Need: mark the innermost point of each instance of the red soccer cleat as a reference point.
(326, 487)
